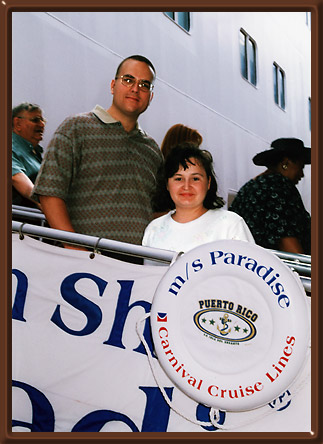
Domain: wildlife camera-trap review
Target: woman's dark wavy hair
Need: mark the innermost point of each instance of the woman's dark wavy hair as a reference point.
(182, 155)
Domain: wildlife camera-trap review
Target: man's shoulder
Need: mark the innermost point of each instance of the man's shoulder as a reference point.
(145, 135)
(18, 141)
(78, 118)
(148, 140)
(77, 122)
(20, 146)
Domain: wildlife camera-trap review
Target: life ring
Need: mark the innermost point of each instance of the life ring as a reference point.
(230, 325)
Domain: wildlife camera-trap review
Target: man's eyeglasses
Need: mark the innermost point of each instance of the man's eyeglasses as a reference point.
(34, 119)
(130, 81)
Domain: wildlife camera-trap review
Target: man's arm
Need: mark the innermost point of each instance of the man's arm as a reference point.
(57, 216)
(24, 186)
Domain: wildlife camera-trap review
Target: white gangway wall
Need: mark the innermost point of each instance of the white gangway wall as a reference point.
(64, 61)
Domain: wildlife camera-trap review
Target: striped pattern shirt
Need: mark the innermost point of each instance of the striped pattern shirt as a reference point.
(104, 174)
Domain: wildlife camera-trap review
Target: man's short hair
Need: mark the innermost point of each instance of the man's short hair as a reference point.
(25, 106)
(139, 58)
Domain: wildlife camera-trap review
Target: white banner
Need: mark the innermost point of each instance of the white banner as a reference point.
(79, 365)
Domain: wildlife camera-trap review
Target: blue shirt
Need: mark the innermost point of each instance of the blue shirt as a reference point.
(25, 159)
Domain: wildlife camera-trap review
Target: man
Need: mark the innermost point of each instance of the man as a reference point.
(100, 166)
(28, 126)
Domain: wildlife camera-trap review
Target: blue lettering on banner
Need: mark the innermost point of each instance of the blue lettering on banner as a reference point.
(20, 296)
(91, 310)
(94, 421)
(156, 403)
(42, 412)
(122, 311)
(43, 418)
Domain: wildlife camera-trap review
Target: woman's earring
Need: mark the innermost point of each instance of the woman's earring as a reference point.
(284, 166)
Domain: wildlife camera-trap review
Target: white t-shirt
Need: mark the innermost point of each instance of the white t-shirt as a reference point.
(164, 232)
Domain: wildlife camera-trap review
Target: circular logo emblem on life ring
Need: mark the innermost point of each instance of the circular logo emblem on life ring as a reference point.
(225, 325)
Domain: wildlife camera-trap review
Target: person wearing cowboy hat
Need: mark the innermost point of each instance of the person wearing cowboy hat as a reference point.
(271, 204)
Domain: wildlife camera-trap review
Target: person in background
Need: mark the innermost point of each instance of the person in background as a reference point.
(271, 204)
(28, 125)
(179, 134)
(188, 186)
(100, 166)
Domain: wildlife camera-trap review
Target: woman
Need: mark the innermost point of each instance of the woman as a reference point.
(271, 204)
(176, 135)
(188, 186)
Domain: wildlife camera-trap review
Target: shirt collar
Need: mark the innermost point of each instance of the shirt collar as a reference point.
(105, 117)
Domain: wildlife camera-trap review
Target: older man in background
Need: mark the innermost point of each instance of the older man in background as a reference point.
(28, 126)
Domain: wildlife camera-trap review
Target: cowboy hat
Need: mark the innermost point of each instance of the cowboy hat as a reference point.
(283, 147)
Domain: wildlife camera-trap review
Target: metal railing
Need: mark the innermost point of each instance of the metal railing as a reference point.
(30, 214)
(300, 263)
(94, 243)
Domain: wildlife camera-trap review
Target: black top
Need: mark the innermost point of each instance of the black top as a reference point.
(273, 208)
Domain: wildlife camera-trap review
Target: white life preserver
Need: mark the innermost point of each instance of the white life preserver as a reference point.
(230, 325)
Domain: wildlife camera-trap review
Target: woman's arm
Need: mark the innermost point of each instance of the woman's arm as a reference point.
(290, 244)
